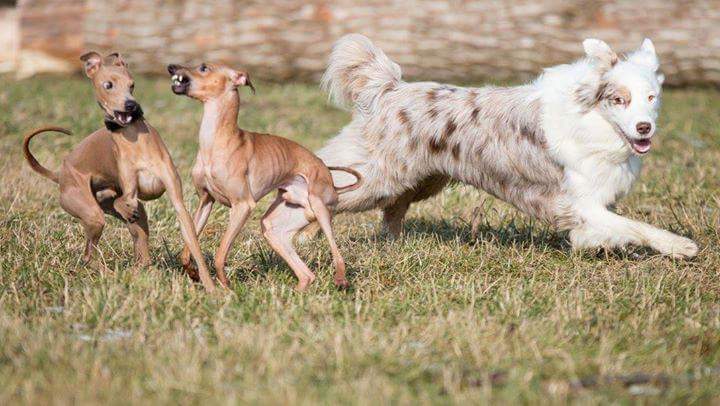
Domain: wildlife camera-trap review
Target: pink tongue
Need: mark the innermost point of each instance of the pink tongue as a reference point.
(642, 146)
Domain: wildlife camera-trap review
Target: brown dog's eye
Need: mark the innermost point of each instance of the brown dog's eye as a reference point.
(132, 87)
(203, 68)
(108, 85)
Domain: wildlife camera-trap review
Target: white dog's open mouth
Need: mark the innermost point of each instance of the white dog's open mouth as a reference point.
(641, 146)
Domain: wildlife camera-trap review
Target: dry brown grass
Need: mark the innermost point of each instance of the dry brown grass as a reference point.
(438, 316)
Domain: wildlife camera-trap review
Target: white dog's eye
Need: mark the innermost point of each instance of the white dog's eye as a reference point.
(618, 100)
(651, 98)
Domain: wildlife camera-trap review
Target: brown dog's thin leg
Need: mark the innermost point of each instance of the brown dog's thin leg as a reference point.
(79, 202)
(279, 225)
(127, 204)
(140, 233)
(93, 230)
(200, 219)
(324, 219)
(171, 180)
(139, 230)
(239, 214)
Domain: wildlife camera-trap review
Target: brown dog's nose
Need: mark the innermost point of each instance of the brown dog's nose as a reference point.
(131, 106)
(172, 68)
(643, 127)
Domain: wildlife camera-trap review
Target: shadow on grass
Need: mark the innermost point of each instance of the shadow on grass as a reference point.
(261, 262)
(512, 234)
(516, 234)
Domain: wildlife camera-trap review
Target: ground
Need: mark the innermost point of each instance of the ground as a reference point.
(511, 314)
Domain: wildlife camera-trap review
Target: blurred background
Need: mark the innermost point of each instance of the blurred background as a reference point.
(290, 39)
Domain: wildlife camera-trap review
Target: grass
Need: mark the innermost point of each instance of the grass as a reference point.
(511, 315)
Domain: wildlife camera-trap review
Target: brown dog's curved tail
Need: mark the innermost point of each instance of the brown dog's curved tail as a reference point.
(353, 172)
(34, 164)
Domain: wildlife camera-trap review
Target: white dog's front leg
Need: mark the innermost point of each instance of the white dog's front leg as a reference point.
(603, 228)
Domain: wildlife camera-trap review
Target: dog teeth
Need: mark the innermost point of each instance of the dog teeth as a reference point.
(177, 80)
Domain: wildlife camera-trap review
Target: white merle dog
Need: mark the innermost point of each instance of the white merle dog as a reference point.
(563, 148)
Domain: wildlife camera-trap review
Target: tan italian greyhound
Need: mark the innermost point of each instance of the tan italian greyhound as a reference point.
(115, 167)
(237, 168)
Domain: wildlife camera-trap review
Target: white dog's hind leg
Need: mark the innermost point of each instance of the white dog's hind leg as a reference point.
(603, 228)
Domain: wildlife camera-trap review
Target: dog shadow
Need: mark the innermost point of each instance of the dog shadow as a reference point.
(516, 234)
(261, 262)
(513, 234)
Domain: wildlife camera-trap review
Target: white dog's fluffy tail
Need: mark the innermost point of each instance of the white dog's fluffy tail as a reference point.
(358, 72)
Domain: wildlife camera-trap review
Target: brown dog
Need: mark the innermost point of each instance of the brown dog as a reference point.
(115, 167)
(237, 168)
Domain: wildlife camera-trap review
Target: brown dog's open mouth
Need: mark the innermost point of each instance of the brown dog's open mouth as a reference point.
(180, 84)
(123, 117)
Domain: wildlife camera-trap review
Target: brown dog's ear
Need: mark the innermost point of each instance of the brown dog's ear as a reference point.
(92, 61)
(241, 78)
(115, 59)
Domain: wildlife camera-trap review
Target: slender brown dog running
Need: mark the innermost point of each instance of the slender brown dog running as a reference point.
(115, 167)
(237, 168)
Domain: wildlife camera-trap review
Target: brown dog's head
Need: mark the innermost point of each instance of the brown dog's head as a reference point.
(113, 86)
(207, 81)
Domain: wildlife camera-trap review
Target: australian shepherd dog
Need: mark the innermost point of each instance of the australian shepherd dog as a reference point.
(562, 149)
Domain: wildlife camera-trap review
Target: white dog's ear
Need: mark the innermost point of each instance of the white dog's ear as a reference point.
(646, 55)
(648, 46)
(600, 51)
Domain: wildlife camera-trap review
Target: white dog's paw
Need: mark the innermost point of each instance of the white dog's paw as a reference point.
(677, 247)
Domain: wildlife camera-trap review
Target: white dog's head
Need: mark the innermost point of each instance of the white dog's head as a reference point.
(627, 93)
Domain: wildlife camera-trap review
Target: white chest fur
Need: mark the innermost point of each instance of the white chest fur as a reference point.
(210, 160)
(599, 166)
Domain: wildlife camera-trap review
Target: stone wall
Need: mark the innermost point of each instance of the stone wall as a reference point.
(443, 40)
(51, 35)
(9, 37)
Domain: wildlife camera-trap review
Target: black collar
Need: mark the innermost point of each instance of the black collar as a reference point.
(112, 126)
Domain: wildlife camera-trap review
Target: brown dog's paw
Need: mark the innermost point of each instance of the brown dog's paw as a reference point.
(129, 209)
(342, 283)
(192, 272)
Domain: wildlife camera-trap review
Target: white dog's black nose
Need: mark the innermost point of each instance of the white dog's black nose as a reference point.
(643, 128)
